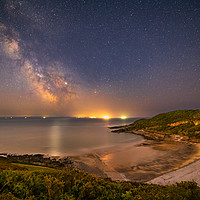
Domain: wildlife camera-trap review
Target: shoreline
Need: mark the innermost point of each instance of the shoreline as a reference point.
(188, 172)
(142, 162)
(166, 158)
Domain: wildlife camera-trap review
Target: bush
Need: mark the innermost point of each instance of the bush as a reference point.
(70, 184)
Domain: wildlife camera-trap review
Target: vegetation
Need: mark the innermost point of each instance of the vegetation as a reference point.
(71, 184)
(181, 122)
(26, 182)
(16, 165)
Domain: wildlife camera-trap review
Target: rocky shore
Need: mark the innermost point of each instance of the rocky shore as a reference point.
(155, 135)
(187, 170)
(158, 154)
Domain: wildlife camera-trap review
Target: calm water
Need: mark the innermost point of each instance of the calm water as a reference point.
(60, 136)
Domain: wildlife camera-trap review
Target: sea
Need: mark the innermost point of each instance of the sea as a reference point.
(61, 136)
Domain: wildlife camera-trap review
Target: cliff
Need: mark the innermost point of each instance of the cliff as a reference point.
(181, 125)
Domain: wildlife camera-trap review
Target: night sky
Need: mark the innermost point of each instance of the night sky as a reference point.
(101, 57)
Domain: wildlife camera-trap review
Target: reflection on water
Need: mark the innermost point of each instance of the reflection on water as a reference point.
(54, 142)
(60, 136)
(106, 157)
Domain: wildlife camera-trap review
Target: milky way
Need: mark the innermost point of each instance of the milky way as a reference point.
(49, 83)
(82, 58)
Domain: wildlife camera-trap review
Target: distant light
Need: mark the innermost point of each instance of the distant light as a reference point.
(44, 117)
(25, 117)
(92, 117)
(123, 117)
(66, 83)
(106, 117)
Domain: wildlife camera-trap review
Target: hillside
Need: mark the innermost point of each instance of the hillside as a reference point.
(185, 123)
(19, 181)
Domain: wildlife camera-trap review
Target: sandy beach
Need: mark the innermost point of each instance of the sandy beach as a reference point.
(147, 161)
(142, 163)
(190, 171)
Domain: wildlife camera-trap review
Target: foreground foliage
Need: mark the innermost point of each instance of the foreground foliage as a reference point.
(23, 181)
(70, 184)
(181, 122)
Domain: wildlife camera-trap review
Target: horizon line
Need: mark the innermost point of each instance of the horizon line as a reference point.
(36, 116)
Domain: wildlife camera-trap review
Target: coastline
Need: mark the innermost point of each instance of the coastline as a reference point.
(156, 159)
(149, 161)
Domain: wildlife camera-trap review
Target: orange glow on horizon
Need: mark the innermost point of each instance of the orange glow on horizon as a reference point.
(94, 115)
(106, 117)
(123, 117)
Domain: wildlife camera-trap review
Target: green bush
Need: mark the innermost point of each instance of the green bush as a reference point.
(70, 184)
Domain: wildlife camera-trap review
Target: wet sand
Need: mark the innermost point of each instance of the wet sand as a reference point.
(189, 171)
(141, 163)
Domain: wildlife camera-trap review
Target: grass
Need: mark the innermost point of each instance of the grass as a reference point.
(9, 165)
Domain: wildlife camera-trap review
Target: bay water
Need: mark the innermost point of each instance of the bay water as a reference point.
(61, 136)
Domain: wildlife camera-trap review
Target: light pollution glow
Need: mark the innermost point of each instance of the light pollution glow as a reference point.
(123, 117)
(54, 62)
(51, 90)
(106, 117)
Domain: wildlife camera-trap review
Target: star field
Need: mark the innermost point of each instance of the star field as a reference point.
(70, 58)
